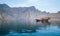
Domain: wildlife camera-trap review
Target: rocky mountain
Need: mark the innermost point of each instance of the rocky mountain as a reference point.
(23, 14)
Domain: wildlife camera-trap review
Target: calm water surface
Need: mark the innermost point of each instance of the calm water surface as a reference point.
(52, 30)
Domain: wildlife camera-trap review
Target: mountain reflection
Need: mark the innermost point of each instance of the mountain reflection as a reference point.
(21, 28)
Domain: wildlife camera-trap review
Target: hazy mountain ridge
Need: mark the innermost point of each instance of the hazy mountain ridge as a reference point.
(24, 14)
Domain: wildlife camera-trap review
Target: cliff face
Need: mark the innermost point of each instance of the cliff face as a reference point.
(20, 14)
(24, 14)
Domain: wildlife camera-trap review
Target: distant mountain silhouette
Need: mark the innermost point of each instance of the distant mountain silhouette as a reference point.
(20, 10)
(58, 11)
(23, 13)
(4, 6)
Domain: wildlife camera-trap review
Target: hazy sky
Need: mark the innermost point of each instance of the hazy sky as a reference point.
(43, 5)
